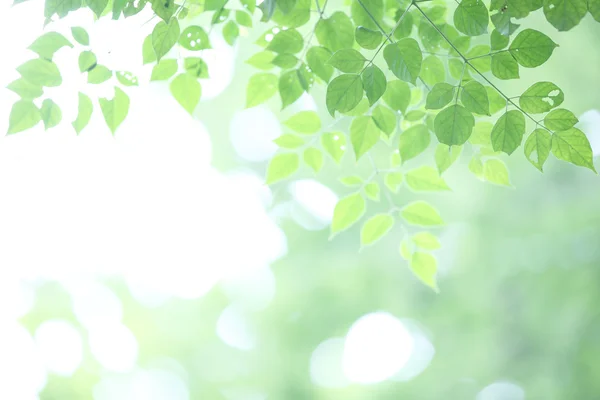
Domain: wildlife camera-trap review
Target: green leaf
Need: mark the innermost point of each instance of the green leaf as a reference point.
(289, 141)
(404, 58)
(97, 6)
(347, 212)
(187, 91)
(397, 95)
(495, 171)
(335, 32)
(375, 228)
(231, 32)
(374, 83)
(60, 7)
(504, 66)
(573, 146)
(164, 8)
(347, 60)
(405, 251)
(433, 70)
(164, 36)
(497, 101)
(439, 96)
(344, 93)
(482, 134)
(148, 53)
(298, 16)
(288, 41)
(421, 213)
(445, 156)
(476, 167)
(560, 120)
(537, 148)
(99, 74)
(425, 179)
(367, 38)
(262, 60)
(25, 89)
(364, 134)
(285, 61)
(426, 241)
(50, 113)
(261, 87)
(372, 191)
(164, 70)
(126, 78)
(454, 125)
(307, 122)
(541, 97)
(48, 44)
(352, 180)
(194, 38)
(594, 9)
(393, 180)
(424, 266)
(565, 14)
(531, 48)
(40, 72)
(317, 58)
(313, 158)
(87, 61)
(115, 110)
(334, 143)
(80, 35)
(290, 87)
(480, 59)
(503, 23)
(23, 115)
(282, 166)
(413, 142)
(385, 119)
(84, 113)
(243, 18)
(508, 132)
(498, 41)
(366, 18)
(475, 98)
(471, 17)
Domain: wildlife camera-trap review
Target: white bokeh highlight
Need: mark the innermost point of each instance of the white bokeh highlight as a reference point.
(501, 390)
(60, 346)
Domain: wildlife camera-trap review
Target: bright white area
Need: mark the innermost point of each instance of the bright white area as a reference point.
(377, 347)
(60, 346)
(145, 205)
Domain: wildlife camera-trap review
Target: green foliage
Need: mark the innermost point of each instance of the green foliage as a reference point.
(394, 71)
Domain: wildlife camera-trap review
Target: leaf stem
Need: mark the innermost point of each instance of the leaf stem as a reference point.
(466, 60)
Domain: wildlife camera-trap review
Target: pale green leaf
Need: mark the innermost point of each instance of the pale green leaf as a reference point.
(475, 98)
(335, 32)
(347, 60)
(433, 70)
(25, 89)
(99, 74)
(334, 143)
(287, 41)
(261, 87)
(23, 115)
(565, 14)
(541, 97)
(426, 241)
(50, 113)
(495, 171)
(115, 110)
(560, 120)
(87, 61)
(413, 142)
(282, 166)
(440, 96)
(344, 93)
(313, 158)
(262, 60)
(40, 72)
(367, 38)
(164, 37)
(425, 179)
(194, 38)
(504, 66)
(385, 119)
(445, 156)
(307, 122)
(397, 95)
(375, 228)
(476, 167)
(317, 58)
(84, 113)
(351, 180)
(48, 44)
(80, 35)
(364, 134)
(347, 212)
(421, 213)
(289, 141)
(424, 266)
(372, 191)
(164, 69)
(187, 91)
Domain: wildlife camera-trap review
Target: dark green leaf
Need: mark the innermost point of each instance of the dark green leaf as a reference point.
(335, 32)
(471, 17)
(531, 48)
(404, 59)
(344, 93)
(374, 83)
(508, 132)
(454, 125)
(440, 96)
(367, 38)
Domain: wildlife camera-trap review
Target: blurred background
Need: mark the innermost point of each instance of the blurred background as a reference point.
(156, 264)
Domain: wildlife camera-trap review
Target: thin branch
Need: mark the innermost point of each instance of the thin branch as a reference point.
(467, 62)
